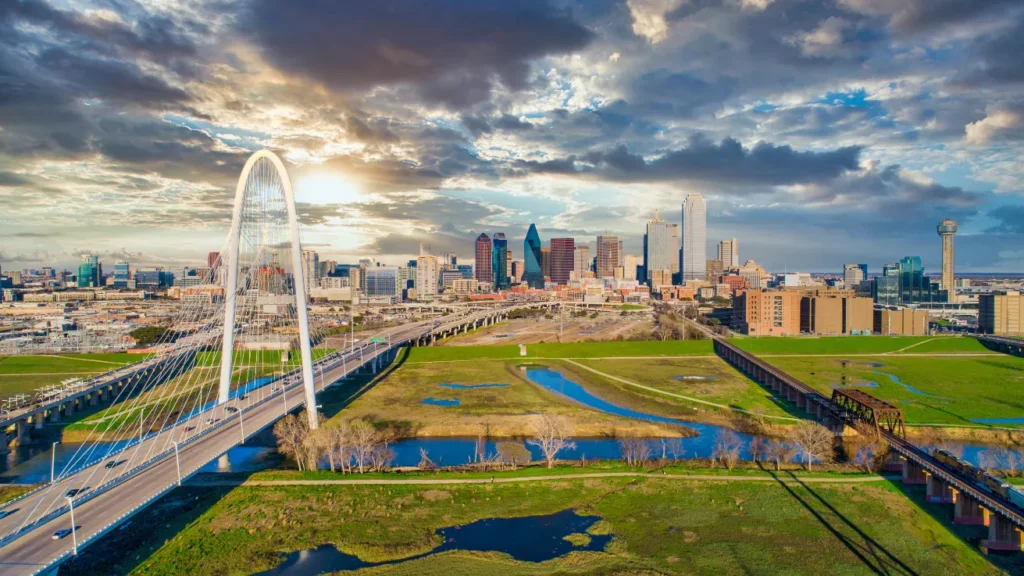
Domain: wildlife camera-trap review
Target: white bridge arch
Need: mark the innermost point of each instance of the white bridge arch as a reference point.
(268, 163)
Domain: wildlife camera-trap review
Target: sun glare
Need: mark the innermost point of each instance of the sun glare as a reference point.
(326, 188)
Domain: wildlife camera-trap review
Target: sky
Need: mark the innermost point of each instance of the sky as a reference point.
(820, 132)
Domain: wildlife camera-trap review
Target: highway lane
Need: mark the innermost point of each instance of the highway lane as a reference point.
(35, 550)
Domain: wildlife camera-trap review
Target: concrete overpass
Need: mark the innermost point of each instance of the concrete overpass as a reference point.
(116, 494)
(1002, 344)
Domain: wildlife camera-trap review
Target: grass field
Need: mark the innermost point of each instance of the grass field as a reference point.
(657, 526)
(569, 350)
(26, 374)
(720, 383)
(952, 390)
(498, 411)
(861, 345)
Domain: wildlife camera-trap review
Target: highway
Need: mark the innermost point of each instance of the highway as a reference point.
(151, 468)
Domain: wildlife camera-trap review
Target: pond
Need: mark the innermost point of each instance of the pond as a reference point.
(440, 402)
(471, 386)
(526, 539)
(909, 388)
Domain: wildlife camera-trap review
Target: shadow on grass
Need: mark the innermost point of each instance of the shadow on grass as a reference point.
(870, 552)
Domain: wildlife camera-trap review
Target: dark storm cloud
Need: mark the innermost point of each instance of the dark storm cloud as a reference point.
(679, 94)
(1011, 220)
(726, 162)
(453, 52)
(923, 15)
(887, 192)
(999, 57)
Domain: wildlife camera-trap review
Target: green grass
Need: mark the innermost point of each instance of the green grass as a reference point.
(12, 492)
(26, 374)
(568, 350)
(858, 345)
(658, 526)
(397, 398)
(726, 385)
(964, 388)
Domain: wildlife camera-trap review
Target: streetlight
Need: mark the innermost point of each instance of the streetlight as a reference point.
(177, 461)
(53, 460)
(241, 426)
(74, 535)
(142, 417)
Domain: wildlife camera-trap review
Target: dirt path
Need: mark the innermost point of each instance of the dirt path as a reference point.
(82, 359)
(554, 477)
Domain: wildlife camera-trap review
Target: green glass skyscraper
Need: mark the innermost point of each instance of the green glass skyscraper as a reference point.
(534, 276)
(499, 261)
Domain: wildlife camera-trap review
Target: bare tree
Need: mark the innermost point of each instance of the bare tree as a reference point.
(727, 448)
(513, 454)
(381, 456)
(425, 462)
(551, 434)
(675, 448)
(813, 441)
(364, 438)
(635, 452)
(758, 448)
(868, 453)
(778, 452)
(291, 433)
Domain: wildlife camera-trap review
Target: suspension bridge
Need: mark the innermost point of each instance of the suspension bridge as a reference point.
(224, 373)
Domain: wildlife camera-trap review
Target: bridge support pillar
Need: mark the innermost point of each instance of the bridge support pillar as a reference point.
(22, 428)
(969, 511)
(55, 414)
(92, 399)
(893, 463)
(37, 420)
(937, 491)
(913, 473)
(1002, 536)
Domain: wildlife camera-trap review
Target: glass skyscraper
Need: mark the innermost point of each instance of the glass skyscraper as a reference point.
(694, 252)
(499, 261)
(382, 281)
(533, 276)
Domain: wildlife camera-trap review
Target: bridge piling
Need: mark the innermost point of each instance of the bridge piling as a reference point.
(1003, 535)
(913, 473)
(937, 491)
(967, 510)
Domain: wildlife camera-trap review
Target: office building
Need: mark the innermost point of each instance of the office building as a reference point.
(90, 272)
(518, 271)
(499, 261)
(729, 253)
(581, 261)
(153, 278)
(608, 256)
(213, 260)
(1001, 313)
(901, 322)
(694, 252)
(835, 312)
(466, 270)
(629, 266)
(311, 268)
(448, 277)
(659, 278)
(483, 259)
(662, 251)
(754, 274)
(713, 271)
(533, 275)
(764, 313)
(854, 274)
(915, 287)
(383, 281)
(947, 230)
(885, 289)
(428, 270)
(356, 278)
(122, 274)
(545, 262)
(563, 259)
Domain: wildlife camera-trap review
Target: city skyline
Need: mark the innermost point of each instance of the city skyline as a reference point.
(820, 133)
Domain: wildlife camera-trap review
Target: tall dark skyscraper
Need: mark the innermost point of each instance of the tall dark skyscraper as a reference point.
(499, 261)
(483, 259)
(534, 275)
(563, 251)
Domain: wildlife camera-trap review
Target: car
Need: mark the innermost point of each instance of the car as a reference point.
(74, 492)
(242, 397)
(111, 464)
(189, 428)
(231, 409)
(62, 533)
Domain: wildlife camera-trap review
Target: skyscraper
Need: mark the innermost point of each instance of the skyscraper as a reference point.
(533, 275)
(608, 256)
(661, 248)
(947, 229)
(854, 274)
(499, 261)
(90, 272)
(545, 262)
(311, 268)
(213, 260)
(427, 270)
(677, 256)
(581, 260)
(122, 274)
(729, 253)
(563, 256)
(483, 259)
(694, 252)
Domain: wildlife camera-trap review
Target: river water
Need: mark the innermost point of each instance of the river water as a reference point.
(31, 464)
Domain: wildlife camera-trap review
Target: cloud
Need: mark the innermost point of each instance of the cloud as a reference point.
(920, 15)
(1002, 123)
(452, 53)
(649, 17)
(824, 41)
(726, 162)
